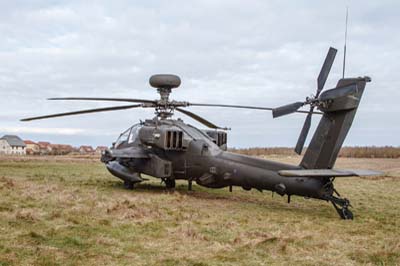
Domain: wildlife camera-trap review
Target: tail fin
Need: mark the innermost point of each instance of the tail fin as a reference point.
(340, 107)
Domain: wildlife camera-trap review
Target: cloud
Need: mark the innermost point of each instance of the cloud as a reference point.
(38, 130)
(265, 53)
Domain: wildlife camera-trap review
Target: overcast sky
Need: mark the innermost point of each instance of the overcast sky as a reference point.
(264, 53)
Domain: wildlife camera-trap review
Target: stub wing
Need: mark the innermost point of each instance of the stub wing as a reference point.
(328, 173)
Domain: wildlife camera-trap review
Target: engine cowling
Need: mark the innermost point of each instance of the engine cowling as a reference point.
(170, 138)
(218, 137)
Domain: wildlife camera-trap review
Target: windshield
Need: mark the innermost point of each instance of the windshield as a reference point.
(134, 133)
(128, 136)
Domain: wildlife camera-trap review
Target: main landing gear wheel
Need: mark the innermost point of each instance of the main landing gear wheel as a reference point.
(169, 183)
(128, 184)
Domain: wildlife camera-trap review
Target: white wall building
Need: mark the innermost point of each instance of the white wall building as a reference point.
(12, 145)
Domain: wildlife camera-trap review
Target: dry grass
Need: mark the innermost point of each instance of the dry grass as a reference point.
(67, 211)
(348, 152)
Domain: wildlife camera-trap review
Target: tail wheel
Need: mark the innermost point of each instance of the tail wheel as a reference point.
(341, 205)
(346, 214)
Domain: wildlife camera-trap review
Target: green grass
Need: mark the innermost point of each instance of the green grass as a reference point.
(73, 212)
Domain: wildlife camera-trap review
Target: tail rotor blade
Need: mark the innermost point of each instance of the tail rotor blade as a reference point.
(326, 68)
(304, 133)
(286, 109)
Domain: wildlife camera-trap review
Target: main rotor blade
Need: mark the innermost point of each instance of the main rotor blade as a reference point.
(114, 108)
(304, 133)
(243, 107)
(199, 119)
(230, 106)
(326, 68)
(102, 99)
(286, 109)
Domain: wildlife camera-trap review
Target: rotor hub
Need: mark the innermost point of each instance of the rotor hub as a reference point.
(164, 84)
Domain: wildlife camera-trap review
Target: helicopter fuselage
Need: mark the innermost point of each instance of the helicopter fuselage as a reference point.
(171, 150)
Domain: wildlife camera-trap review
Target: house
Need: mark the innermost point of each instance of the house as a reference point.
(11, 144)
(45, 147)
(100, 149)
(61, 149)
(32, 148)
(86, 149)
(65, 148)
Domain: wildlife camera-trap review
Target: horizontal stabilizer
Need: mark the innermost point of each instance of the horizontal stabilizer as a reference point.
(328, 173)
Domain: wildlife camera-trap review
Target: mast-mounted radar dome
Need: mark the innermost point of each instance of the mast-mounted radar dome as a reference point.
(165, 81)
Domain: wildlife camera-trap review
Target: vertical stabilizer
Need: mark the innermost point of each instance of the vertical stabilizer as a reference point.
(339, 106)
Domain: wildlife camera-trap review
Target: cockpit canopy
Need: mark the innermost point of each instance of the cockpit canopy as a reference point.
(129, 136)
(168, 135)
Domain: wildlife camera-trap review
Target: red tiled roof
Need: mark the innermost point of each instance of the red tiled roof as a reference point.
(86, 148)
(61, 146)
(101, 148)
(43, 143)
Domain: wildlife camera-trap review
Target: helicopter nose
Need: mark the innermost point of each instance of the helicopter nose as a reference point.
(167, 81)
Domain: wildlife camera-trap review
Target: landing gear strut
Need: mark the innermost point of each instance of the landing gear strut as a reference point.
(128, 184)
(342, 205)
(169, 183)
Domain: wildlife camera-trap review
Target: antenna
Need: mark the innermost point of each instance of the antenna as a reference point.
(345, 42)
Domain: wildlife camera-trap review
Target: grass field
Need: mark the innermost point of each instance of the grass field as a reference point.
(62, 211)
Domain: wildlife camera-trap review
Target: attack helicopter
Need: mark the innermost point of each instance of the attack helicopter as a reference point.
(171, 149)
